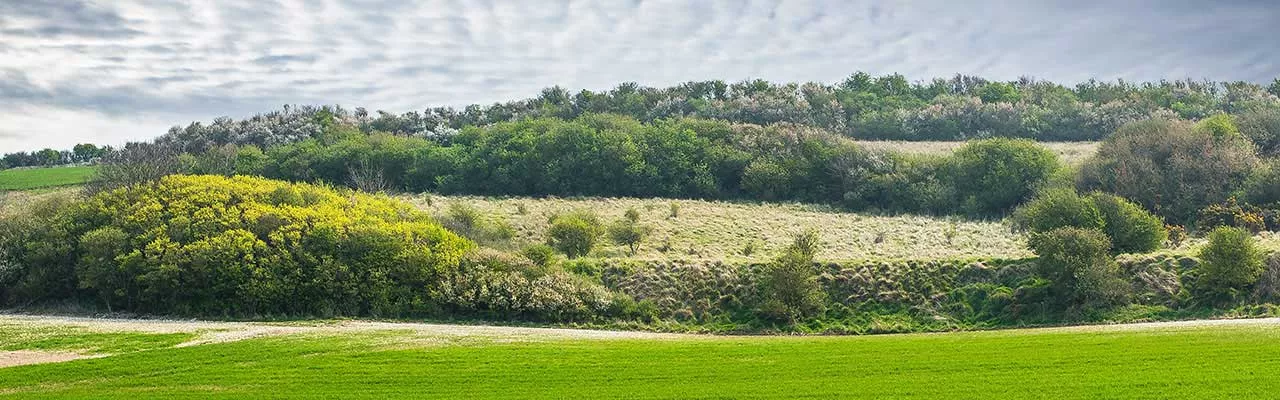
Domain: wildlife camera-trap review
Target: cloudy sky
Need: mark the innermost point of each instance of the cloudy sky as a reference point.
(115, 70)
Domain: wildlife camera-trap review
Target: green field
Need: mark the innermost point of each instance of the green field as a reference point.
(370, 360)
(36, 178)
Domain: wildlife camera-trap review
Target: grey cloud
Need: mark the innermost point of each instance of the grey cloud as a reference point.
(64, 18)
(140, 58)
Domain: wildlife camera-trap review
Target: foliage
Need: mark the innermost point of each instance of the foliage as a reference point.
(1231, 214)
(1230, 262)
(574, 234)
(1058, 208)
(1169, 167)
(626, 232)
(789, 287)
(208, 245)
(1130, 228)
(992, 176)
(1262, 127)
(1078, 263)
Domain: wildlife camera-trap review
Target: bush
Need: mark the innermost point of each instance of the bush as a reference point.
(1130, 228)
(1169, 167)
(242, 246)
(574, 234)
(994, 175)
(1230, 262)
(1079, 264)
(1262, 126)
(1059, 208)
(540, 254)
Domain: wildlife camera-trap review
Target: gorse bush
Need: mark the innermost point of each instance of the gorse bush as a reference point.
(1230, 262)
(208, 245)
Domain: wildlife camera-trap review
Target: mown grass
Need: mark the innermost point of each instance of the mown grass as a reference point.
(1072, 153)
(717, 230)
(1171, 363)
(36, 178)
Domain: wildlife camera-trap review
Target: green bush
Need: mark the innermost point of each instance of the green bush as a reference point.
(1059, 208)
(789, 285)
(1079, 264)
(242, 246)
(1230, 262)
(539, 254)
(574, 234)
(1130, 228)
(626, 232)
(994, 175)
(1262, 126)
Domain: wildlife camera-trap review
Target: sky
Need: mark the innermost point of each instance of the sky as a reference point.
(107, 72)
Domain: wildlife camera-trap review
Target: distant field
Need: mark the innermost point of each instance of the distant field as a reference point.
(1072, 153)
(36, 178)
(372, 360)
(714, 230)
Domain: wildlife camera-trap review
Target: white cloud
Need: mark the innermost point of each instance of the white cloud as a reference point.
(127, 61)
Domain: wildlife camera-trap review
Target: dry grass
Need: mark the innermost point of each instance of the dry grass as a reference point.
(714, 230)
(1072, 153)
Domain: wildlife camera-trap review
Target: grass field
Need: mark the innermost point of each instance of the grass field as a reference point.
(36, 178)
(715, 230)
(1072, 153)
(415, 361)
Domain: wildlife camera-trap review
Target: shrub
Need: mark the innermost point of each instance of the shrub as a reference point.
(1168, 167)
(632, 215)
(1059, 208)
(242, 246)
(1080, 266)
(1262, 126)
(1230, 262)
(574, 234)
(1130, 228)
(994, 175)
(1263, 186)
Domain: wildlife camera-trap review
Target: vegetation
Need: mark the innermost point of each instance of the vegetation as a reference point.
(1128, 227)
(1230, 263)
(1079, 266)
(206, 245)
(1173, 363)
(37, 178)
(1170, 167)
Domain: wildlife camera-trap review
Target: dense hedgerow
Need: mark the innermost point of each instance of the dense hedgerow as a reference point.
(208, 245)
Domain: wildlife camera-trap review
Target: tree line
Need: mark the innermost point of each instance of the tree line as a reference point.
(80, 153)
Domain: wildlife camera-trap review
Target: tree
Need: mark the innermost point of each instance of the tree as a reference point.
(85, 151)
(1079, 265)
(999, 92)
(1230, 262)
(628, 233)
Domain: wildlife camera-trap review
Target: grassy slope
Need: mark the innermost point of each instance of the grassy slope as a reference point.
(714, 230)
(1072, 153)
(35, 178)
(1186, 362)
